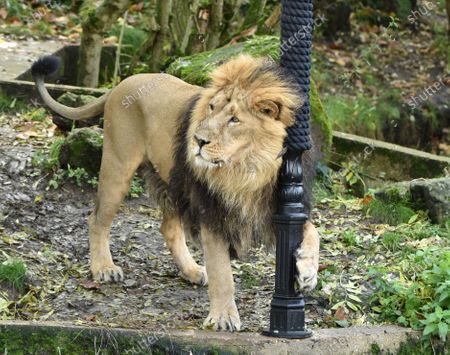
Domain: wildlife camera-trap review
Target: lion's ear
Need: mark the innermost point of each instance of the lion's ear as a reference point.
(268, 108)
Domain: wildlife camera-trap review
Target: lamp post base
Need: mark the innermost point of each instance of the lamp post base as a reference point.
(299, 334)
(287, 318)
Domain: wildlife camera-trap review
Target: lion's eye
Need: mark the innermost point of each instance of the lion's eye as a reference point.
(234, 119)
(266, 111)
(211, 107)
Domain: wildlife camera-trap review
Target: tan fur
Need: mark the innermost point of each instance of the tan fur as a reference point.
(239, 162)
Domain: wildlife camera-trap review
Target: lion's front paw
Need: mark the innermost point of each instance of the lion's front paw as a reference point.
(307, 268)
(224, 318)
(107, 273)
(197, 276)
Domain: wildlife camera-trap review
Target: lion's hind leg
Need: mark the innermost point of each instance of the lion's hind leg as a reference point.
(114, 182)
(173, 233)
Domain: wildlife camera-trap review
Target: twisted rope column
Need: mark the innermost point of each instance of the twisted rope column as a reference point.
(287, 313)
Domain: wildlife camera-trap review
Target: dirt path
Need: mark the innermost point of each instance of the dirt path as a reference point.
(48, 230)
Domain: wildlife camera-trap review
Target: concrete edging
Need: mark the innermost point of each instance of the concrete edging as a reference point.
(46, 335)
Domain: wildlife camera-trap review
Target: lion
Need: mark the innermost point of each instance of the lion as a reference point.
(211, 156)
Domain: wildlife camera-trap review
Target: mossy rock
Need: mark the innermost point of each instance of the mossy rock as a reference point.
(83, 149)
(432, 195)
(195, 69)
(74, 100)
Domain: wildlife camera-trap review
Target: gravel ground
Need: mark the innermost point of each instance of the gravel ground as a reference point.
(48, 230)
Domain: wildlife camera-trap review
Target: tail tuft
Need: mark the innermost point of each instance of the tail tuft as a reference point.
(45, 66)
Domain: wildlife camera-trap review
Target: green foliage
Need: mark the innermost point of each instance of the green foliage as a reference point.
(418, 293)
(137, 187)
(8, 103)
(13, 273)
(349, 238)
(363, 115)
(132, 37)
(441, 45)
(389, 212)
(248, 276)
(48, 162)
(392, 241)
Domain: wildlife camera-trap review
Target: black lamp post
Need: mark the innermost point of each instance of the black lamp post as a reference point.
(287, 313)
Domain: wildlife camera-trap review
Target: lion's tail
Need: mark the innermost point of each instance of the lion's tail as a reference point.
(48, 65)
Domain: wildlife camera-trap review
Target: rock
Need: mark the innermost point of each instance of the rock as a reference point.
(83, 149)
(395, 193)
(434, 194)
(195, 69)
(74, 100)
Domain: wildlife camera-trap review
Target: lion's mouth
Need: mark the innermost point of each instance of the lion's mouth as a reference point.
(202, 161)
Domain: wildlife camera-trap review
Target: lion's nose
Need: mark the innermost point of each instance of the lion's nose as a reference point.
(201, 141)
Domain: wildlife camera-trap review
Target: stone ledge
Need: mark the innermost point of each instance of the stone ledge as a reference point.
(47, 337)
(396, 162)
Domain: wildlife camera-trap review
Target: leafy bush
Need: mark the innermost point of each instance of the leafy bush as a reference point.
(417, 294)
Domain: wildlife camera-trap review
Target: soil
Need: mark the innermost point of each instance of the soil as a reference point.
(47, 229)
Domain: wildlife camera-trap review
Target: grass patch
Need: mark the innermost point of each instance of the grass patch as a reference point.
(349, 238)
(392, 241)
(392, 213)
(363, 115)
(417, 294)
(249, 277)
(13, 273)
(8, 104)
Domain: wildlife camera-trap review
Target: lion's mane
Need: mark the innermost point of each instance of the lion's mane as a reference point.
(237, 202)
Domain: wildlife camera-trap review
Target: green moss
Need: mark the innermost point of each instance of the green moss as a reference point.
(82, 149)
(31, 339)
(375, 349)
(12, 273)
(389, 213)
(195, 69)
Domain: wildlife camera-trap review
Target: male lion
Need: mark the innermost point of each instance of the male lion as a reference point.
(212, 158)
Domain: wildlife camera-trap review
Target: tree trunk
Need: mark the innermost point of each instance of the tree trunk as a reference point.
(89, 60)
(165, 7)
(447, 4)
(190, 26)
(198, 42)
(215, 24)
(149, 42)
(96, 20)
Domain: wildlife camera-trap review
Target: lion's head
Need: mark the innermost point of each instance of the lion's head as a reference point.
(238, 125)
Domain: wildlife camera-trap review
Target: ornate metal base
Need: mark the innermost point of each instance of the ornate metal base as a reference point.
(287, 318)
(300, 334)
